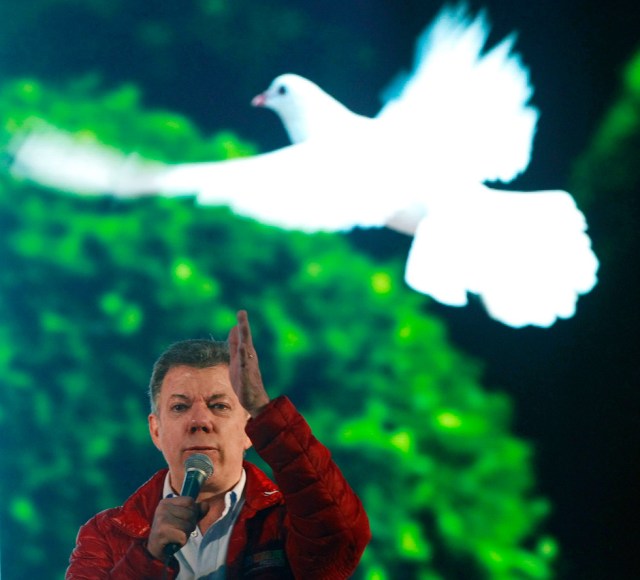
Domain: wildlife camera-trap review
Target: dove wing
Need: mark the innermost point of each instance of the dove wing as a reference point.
(312, 186)
(54, 158)
(309, 186)
(471, 106)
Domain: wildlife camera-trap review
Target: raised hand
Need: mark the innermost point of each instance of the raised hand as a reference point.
(244, 370)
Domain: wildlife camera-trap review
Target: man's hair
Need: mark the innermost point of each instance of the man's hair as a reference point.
(196, 353)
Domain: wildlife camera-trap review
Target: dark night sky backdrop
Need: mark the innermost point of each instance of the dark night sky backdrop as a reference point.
(575, 386)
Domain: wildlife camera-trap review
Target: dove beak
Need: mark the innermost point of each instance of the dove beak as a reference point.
(259, 100)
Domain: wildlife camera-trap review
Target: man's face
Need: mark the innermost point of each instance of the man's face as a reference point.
(199, 412)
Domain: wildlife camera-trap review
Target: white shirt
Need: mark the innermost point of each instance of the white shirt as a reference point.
(204, 557)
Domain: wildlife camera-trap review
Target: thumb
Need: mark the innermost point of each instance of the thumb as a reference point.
(203, 509)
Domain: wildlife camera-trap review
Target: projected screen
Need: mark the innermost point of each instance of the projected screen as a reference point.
(424, 214)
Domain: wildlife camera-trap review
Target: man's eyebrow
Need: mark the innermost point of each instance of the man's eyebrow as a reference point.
(212, 397)
(178, 396)
(218, 396)
(221, 399)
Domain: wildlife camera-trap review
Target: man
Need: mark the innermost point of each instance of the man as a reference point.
(207, 397)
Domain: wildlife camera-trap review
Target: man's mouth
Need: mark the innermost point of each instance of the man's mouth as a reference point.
(200, 448)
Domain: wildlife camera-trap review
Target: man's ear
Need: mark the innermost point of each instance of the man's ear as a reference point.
(247, 441)
(154, 430)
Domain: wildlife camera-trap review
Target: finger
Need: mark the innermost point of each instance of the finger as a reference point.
(179, 511)
(246, 347)
(182, 513)
(243, 325)
(182, 522)
(233, 339)
(179, 500)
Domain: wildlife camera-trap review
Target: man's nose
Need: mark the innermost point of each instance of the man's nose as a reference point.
(197, 425)
(200, 420)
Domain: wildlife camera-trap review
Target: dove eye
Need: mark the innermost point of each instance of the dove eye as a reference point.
(282, 90)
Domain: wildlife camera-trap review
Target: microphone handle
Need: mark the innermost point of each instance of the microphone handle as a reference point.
(171, 549)
(191, 485)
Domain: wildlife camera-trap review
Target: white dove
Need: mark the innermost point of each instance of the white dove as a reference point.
(459, 120)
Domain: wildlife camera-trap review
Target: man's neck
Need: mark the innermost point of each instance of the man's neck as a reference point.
(220, 503)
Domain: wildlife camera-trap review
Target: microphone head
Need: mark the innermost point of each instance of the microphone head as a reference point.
(200, 462)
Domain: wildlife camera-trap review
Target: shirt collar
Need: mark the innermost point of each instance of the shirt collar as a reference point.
(230, 498)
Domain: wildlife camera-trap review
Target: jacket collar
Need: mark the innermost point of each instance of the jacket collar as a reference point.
(260, 491)
(135, 516)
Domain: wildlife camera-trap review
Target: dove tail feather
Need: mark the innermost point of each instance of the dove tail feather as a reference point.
(526, 255)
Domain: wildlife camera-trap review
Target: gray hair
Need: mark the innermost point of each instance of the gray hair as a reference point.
(196, 353)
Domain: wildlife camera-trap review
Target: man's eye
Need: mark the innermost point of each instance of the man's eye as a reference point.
(219, 406)
(179, 407)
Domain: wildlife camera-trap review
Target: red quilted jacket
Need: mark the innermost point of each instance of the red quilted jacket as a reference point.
(311, 526)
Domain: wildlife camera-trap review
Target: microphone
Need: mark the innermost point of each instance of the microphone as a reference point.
(197, 469)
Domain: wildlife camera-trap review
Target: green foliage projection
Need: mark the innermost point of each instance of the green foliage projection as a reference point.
(606, 175)
(92, 289)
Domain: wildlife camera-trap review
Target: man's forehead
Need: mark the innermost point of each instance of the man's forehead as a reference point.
(184, 370)
(184, 377)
